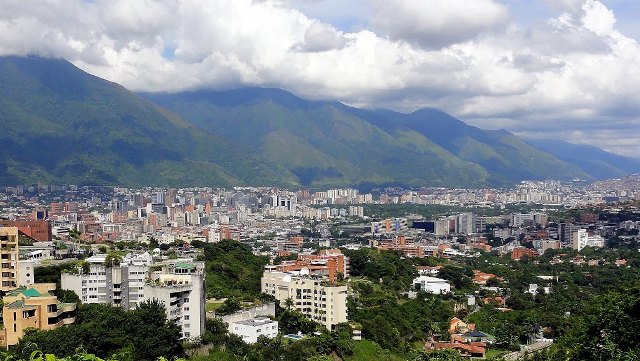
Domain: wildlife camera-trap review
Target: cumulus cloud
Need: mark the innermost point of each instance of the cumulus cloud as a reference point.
(321, 37)
(437, 23)
(574, 73)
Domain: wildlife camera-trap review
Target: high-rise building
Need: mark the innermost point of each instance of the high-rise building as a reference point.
(119, 285)
(9, 256)
(314, 297)
(180, 287)
(465, 223)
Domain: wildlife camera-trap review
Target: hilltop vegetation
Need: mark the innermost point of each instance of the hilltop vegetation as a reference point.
(60, 124)
(232, 270)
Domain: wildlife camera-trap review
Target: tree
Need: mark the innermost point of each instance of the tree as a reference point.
(144, 333)
(288, 303)
(230, 305)
(112, 259)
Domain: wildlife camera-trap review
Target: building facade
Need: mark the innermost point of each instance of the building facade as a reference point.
(178, 284)
(34, 307)
(431, 285)
(582, 239)
(180, 287)
(38, 230)
(9, 255)
(119, 285)
(314, 297)
(250, 330)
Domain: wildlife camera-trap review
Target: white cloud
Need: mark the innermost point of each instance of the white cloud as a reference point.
(321, 37)
(437, 23)
(573, 72)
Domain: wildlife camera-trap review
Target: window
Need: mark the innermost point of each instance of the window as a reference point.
(186, 317)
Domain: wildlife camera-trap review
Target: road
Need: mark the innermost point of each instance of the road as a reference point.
(530, 348)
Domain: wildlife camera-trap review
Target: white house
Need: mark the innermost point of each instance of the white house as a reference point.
(250, 330)
(431, 285)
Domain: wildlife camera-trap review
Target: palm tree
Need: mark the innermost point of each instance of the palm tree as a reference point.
(288, 303)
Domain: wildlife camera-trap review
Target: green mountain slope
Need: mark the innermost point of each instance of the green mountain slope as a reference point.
(595, 161)
(504, 156)
(320, 142)
(60, 124)
(330, 143)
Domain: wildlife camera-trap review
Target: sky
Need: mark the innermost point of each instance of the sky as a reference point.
(557, 69)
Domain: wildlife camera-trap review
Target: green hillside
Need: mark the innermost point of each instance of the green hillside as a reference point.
(504, 156)
(327, 143)
(320, 142)
(595, 161)
(60, 124)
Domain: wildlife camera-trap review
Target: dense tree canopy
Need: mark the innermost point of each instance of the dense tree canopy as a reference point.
(103, 330)
(232, 270)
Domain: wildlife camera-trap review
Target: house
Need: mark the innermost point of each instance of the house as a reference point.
(458, 343)
(250, 330)
(456, 325)
(478, 336)
(481, 278)
(428, 270)
(431, 285)
(499, 301)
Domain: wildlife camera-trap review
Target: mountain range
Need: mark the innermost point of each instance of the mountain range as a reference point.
(60, 124)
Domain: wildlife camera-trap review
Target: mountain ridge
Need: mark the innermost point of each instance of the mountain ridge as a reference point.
(593, 160)
(503, 151)
(60, 124)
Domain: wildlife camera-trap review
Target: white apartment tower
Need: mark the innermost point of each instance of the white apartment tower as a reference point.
(180, 287)
(119, 285)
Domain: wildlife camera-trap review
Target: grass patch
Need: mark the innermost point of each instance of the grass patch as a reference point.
(495, 353)
(368, 350)
(213, 305)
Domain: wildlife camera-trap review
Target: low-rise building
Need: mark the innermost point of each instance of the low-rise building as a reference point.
(250, 330)
(431, 285)
(520, 252)
(582, 238)
(34, 307)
